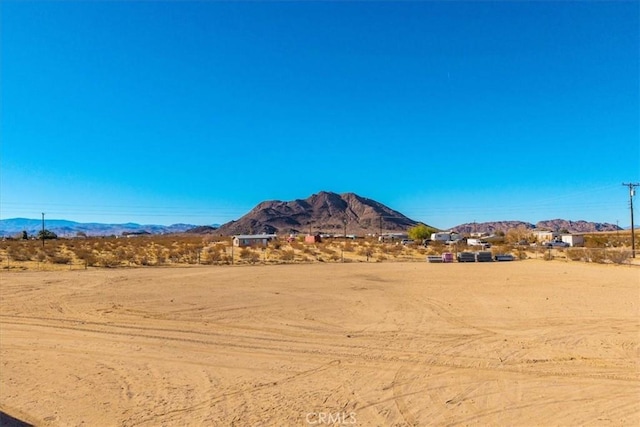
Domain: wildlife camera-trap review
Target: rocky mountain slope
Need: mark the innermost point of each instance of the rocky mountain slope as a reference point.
(325, 212)
(552, 224)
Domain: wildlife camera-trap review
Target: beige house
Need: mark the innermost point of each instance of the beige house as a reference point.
(543, 236)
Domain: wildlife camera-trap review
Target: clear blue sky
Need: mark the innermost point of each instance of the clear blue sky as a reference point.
(450, 112)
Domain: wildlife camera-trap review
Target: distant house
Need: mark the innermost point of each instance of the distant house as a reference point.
(309, 238)
(573, 239)
(392, 237)
(243, 240)
(446, 236)
(543, 236)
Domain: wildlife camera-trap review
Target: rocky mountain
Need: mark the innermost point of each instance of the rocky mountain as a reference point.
(490, 227)
(576, 226)
(64, 228)
(552, 224)
(325, 212)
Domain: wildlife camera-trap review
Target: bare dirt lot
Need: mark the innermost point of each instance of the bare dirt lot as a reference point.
(520, 343)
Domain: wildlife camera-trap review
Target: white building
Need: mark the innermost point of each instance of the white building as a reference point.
(573, 239)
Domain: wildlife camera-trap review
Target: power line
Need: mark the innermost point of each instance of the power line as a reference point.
(632, 192)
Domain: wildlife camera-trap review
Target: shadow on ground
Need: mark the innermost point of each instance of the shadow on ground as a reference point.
(7, 420)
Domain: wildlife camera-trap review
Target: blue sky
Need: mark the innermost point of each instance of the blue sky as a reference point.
(450, 112)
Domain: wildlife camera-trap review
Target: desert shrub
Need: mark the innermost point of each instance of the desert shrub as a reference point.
(394, 250)
(348, 247)
(41, 256)
(618, 257)
(86, 255)
(275, 244)
(295, 244)
(548, 256)
(191, 256)
(120, 253)
(60, 258)
(108, 260)
(129, 255)
(18, 253)
(595, 255)
(327, 250)
(287, 255)
(575, 254)
(366, 251)
(175, 255)
(596, 241)
(249, 255)
(159, 254)
(501, 249)
(214, 255)
(381, 258)
(335, 257)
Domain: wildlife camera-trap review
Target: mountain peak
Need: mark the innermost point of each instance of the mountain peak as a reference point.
(323, 212)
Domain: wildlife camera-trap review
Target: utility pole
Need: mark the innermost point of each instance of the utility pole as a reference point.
(632, 193)
(43, 229)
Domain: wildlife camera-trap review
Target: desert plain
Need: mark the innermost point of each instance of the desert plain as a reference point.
(524, 343)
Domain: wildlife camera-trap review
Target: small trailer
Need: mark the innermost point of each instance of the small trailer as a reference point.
(466, 257)
(484, 256)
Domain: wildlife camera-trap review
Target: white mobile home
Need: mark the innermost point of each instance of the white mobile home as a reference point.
(445, 236)
(243, 240)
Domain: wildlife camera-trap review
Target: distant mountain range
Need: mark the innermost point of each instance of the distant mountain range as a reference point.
(64, 228)
(325, 212)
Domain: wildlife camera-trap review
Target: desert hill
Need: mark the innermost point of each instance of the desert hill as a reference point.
(325, 212)
(551, 224)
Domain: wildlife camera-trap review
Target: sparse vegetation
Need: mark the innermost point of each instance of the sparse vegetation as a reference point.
(287, 255)
(596, 255)
(156, 250)
(618, 256)
(575, 254)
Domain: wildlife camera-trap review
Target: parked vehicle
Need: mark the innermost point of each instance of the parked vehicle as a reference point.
(478, 242)
(556, 245)
(406, 242)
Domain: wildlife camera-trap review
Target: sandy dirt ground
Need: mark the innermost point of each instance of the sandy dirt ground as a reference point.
(386, 344)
